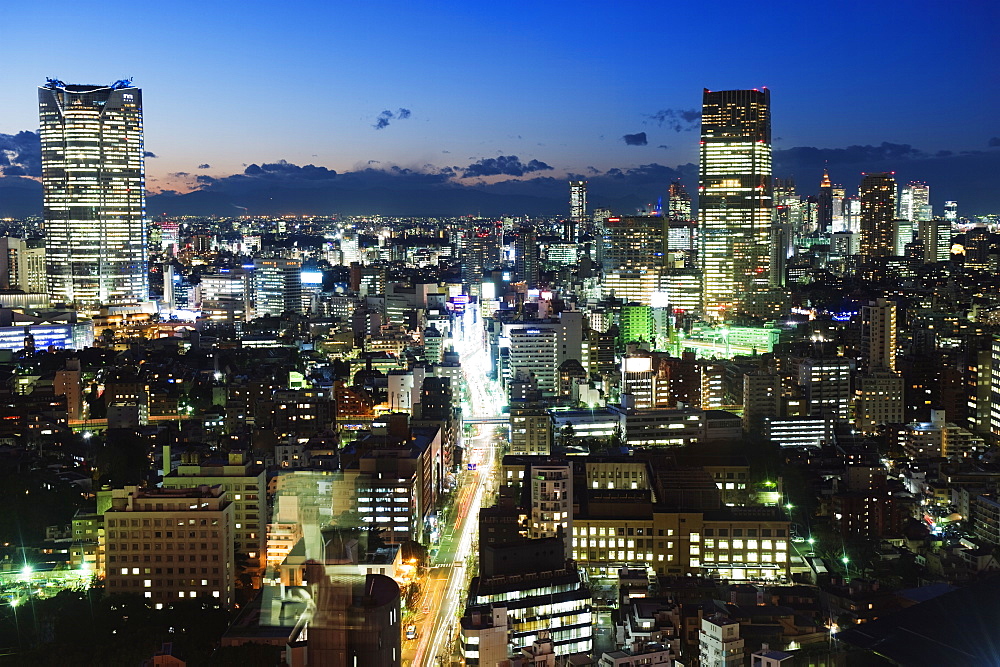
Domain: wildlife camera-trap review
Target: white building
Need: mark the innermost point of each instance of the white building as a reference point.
(552, 502)
(720, 643)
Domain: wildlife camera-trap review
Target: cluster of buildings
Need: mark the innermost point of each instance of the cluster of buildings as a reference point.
(727, 430)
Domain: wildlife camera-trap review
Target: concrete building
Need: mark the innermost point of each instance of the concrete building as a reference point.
(22, 265)
(879, 335)
(245, 484)
(879, 401)
(826, 387)
(761, 398)
(552, 502)
(720, 643)
(541, 591)
(171, 544)
(484, 636)
(940, 438)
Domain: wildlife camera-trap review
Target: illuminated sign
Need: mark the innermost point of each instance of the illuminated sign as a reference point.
(311, 277)
(638, 364)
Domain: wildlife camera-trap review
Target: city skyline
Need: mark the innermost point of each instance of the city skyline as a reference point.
(501, 114)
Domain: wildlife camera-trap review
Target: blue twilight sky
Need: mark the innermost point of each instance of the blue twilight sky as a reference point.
(227, 84)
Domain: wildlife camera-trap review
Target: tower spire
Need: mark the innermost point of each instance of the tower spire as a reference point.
(826, 183)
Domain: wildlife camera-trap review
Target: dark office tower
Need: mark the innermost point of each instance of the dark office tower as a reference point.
(94, 193)
(824, 205)
(734, 201)
(479, 253)
(977, 248)
(678, 203)
(577, 210)
(526, 256)
(878, 211)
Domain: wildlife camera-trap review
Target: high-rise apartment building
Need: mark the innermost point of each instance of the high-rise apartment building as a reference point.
(879, 401)
(935, 235)
(878, 210)
(526, 255)
(552, 502)
(94, 193)
(826, 387)
(977, 248)
(735, 199)
(879, 333)
(577, 209)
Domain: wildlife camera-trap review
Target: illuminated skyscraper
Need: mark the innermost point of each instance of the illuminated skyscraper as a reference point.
(634, 255)
(577, 210)
(734, 199)
(878, 209)
(94, 192)
(915, 207)
(951, 211)
(678, 202)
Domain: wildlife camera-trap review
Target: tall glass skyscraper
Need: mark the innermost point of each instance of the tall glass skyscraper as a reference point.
(734, 198)
(94, 190)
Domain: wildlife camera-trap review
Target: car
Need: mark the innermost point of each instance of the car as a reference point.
(411, 632)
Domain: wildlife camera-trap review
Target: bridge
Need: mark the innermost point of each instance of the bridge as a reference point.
(487, 420)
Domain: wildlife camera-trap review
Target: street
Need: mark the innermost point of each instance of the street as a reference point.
(446, 580)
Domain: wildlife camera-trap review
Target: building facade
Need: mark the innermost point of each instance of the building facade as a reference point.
(94, 193)
(735, 197)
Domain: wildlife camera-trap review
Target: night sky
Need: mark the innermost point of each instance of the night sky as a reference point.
(453, 93)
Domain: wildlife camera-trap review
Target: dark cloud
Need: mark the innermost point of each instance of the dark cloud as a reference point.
(374, 162)
(383, 119)
(867, 154)
(21, 154)
(664, 146)
(288, 171)
(994, 142)
(149, 154)
(179, 174)
(204, 166)
(503, 165)
(637, 139)
(678, 120)
(205, 180)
